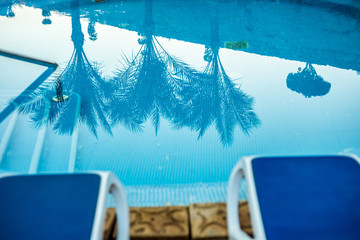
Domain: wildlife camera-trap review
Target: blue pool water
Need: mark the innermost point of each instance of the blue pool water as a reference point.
(168, 95)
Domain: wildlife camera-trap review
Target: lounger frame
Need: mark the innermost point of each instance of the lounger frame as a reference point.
(243, 169)
(110, 184)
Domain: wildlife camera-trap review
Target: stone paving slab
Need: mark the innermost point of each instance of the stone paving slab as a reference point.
(244, 216)
(110, 220)
(198, 221)
(162, 223)
(159, 223)
(208, 220)
(114, 233)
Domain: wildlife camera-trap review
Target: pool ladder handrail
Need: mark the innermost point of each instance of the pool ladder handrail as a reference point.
(38, 149)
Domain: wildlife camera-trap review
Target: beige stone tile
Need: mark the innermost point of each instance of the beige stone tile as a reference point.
(110, 219)
(245, 220)
(114, 234)
(208, 220)
(159, 223)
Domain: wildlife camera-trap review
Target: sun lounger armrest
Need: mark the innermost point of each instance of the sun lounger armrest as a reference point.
(110, 184)
(4, 173)
(122, 211)
(233, 222)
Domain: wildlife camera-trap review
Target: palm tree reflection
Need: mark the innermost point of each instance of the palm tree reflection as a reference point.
(308, 82)
(6, 9)
(149, 82)
(82, 81)
(151, 85)
(214, 98)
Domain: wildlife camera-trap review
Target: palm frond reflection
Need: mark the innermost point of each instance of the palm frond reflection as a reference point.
(81, 80)
(151, 81)
(215, 99)
(151, 85)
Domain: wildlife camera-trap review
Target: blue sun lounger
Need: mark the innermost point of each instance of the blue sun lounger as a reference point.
(59, 206)
(298, 198)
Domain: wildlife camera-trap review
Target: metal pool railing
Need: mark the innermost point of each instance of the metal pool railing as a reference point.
(13, 104)
(51, 68)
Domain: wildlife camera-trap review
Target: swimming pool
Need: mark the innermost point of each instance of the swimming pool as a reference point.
(168, 95)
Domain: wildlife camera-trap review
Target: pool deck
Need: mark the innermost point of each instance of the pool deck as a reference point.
(196, 221)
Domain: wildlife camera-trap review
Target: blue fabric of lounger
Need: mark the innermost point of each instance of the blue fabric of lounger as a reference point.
(48, 206)
(309, 197)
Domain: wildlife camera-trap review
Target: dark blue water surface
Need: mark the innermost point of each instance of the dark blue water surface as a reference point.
(168, 95)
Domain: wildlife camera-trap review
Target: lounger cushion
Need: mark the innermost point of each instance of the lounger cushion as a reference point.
(309, 197)
(48, 206)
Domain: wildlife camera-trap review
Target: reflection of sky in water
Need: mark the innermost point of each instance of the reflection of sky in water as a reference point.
(290, 123)
(12, 81)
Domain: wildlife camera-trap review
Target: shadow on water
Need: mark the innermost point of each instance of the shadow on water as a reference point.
(307, 82)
